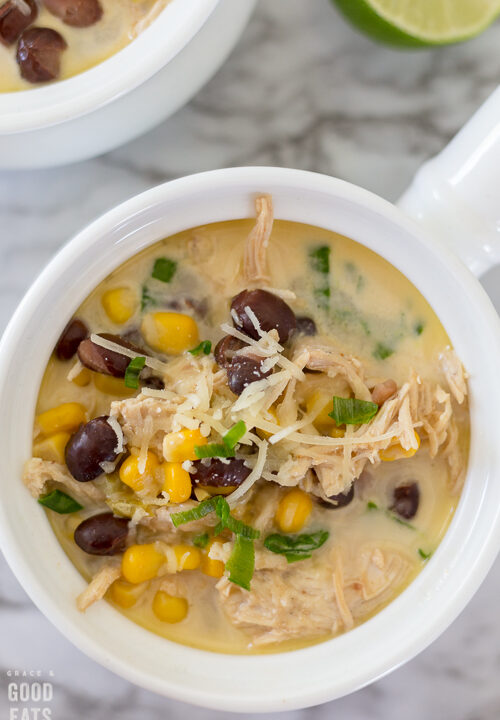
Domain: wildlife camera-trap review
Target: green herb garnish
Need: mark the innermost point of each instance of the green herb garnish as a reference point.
(223, 512)
(419, 328)
(220, 506)
(164, 269)
(59, 502)
(423, 554)
(146, 298)
(201, 541)
(320, 259)
(234, 435)
(382, 351)
(296, 547)
(397, 519)
(371, 505)
(350, 411)
(204, 508)
(241, 563)
(204, 347)
(133, 371)
(213, 450)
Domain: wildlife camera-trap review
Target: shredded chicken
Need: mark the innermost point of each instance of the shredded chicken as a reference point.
(255, 253)
(98, 586)
(135, 414)
(41, 475)
(308, 599)
(455, 375)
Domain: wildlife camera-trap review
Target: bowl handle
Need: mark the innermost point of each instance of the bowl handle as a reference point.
(456, 195)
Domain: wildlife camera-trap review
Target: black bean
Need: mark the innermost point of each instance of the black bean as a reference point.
(102, 534)
(92, 444)
(270, 310)
(72, 335)
(225, 350)
(306, 326)
(153, 382)
(340, 500)
(219, 474)
(77, 13)
(406, 500)
(243, 370)
(105, 361)
(13, 21)
(39, 54)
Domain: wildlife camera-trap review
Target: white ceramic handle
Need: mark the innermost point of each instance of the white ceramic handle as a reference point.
(456, 195)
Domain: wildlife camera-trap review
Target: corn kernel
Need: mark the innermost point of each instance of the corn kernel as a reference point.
(212, 490)
(337, 432)
(179, 446)
(170, 333)
(176, 482)
(141, 563)
(209, 566)
(129, 470)
(110, 385)
(395, 451)
(52, 448)
(125, 594)
(169, 608)
(293, 511)
(322, 422)
(188, 557)
(120, 304)
(83, 378)
(65, 417)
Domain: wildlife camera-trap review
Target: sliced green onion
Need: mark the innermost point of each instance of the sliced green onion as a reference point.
(419, 328)
(371, 505)
(423, 554)
(234, 435)
(296, 547)
(241, 563)
(351, 411)
(59, 502)
(382, 351)
(320, 259)
(393, 516)
(213, 450)
(146, 298)
(133, 371)
(204, 508)
(204, 347)
(223, 512)
(164, 269)
(201, 541)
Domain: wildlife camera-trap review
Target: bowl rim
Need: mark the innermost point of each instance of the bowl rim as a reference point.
(440, 591)
(64, 100)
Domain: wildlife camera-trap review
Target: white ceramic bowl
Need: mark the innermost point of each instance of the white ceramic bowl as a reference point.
(328, 670)
(127, 94)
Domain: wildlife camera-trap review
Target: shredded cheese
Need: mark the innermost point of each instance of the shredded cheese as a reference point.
(75, 371)
(255, 475)
(117, 428)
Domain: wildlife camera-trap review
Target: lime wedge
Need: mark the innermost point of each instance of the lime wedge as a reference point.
(420, 23)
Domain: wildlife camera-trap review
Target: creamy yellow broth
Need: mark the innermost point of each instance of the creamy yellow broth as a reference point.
(88, 46)
(372, 312)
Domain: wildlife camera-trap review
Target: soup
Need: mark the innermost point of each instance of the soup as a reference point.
(251, 437)
(44, 40)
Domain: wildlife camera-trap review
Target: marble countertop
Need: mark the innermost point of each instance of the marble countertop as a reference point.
(301, 90)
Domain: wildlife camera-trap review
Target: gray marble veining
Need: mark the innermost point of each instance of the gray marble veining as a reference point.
(302, 89)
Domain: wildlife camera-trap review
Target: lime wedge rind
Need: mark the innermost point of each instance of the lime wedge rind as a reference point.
(384, 21)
